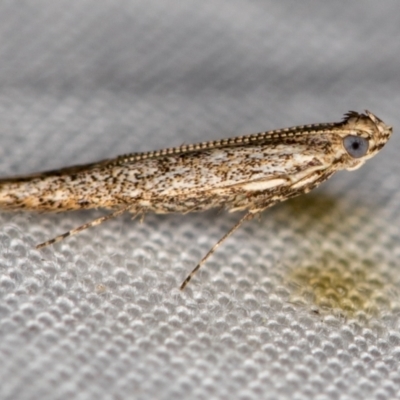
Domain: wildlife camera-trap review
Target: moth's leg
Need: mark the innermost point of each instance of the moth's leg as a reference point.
(95, 222)
(262, 201)
(246, 217)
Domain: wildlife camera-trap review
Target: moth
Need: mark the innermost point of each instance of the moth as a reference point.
(246, 173)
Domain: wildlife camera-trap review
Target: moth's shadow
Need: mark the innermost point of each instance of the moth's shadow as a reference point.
(314, 206)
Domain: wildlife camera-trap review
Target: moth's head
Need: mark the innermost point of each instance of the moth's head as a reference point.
(365, 135)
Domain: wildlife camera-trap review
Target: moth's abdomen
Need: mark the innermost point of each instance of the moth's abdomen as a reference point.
(50, 193)
(34, 195)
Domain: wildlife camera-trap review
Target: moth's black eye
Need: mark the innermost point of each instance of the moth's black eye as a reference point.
(356, 146)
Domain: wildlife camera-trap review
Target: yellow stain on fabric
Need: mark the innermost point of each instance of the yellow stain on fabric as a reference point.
(333, 284)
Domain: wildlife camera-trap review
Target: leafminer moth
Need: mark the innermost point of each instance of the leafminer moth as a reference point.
(246, 173)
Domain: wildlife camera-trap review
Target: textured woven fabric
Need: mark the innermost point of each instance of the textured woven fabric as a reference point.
(300, 304)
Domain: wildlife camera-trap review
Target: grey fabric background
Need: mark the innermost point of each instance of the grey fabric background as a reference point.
(302, 304)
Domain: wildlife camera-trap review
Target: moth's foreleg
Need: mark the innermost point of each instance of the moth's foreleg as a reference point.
(246, 217)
